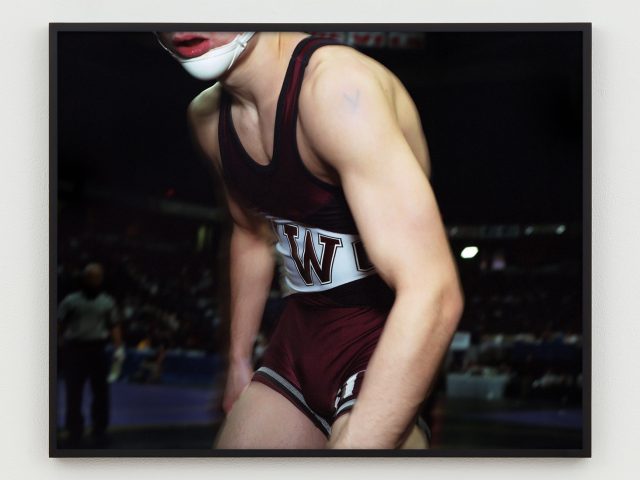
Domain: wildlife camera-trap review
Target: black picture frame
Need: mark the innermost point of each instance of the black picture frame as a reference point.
(54, 82)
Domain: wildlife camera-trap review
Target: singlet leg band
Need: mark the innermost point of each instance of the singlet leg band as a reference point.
(276, 381)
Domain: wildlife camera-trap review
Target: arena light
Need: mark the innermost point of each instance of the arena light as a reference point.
(469, 252)
(560, 229)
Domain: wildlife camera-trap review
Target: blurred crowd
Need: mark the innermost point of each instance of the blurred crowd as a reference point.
(165, 299)
(523, 322)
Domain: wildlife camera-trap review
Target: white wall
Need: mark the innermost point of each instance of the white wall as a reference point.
(24, 120)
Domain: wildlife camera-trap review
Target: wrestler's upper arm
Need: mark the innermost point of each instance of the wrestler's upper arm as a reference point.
(350, 123)
(249, 221)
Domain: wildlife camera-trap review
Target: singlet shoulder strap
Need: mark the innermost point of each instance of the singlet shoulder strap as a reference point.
(223, 120)
(293, 82)
(286, 115)
(228, 149)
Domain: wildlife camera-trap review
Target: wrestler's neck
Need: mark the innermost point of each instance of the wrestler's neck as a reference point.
(258, 73)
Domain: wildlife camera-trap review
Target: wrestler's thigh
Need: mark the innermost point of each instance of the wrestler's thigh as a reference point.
(262, 418)
(415, 440)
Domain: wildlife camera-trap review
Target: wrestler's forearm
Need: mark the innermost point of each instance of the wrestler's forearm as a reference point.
(251, 273)
(402, 368)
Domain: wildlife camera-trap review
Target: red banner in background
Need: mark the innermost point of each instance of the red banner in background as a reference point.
(400, 40)
(405, 40)
(367, 39)
(339, 36)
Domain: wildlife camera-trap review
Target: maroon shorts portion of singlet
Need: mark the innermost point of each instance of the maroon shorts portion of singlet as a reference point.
(318, 353)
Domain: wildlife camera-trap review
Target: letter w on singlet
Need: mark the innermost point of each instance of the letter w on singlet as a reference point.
(309, 261)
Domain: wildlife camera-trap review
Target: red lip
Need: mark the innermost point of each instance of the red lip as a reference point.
(190, 46)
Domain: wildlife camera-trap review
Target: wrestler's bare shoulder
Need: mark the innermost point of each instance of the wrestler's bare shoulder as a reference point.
(206, 103)
(338, 65)
(203, 118)
(342, 72)
(338, 68)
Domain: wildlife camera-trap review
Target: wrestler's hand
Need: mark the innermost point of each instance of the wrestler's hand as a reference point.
(238, 378)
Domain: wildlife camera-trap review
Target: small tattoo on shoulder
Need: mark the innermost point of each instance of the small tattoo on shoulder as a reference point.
(353, 99)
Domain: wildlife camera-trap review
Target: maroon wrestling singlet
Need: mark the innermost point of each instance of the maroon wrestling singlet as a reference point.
(337, 304)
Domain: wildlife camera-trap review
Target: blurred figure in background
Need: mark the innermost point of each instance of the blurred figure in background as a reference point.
(87, 320)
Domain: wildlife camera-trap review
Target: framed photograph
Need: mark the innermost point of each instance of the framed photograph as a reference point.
(212, 193)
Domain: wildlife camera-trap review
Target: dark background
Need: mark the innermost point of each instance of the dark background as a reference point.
(502, 112)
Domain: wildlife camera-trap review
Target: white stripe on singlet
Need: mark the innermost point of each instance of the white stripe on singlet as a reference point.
(340, 256)
(296, 393)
